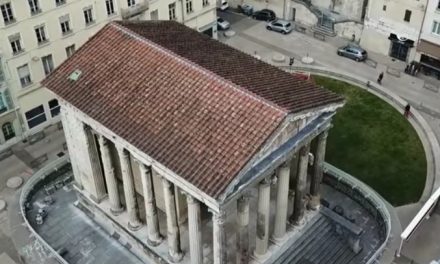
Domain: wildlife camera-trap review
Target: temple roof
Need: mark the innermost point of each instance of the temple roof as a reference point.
(197, 106)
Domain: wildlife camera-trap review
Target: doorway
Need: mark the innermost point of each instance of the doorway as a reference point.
(399, 50)
(293, 14)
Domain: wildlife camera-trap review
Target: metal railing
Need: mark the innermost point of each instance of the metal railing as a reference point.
(370, 196)
(28, 188)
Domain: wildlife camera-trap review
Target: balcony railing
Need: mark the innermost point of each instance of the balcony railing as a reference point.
(132, 11)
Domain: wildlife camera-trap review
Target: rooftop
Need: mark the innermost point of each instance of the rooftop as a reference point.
(195, 105)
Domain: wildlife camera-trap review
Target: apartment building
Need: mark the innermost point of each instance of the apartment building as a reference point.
(428, 48)
(392, 27)
(38, 35)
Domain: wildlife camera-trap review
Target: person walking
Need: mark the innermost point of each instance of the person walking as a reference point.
(407, 111)
(379, 79)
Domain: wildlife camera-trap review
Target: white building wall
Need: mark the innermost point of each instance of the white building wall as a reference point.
(201, 18)
(380, 23)
(432, 14)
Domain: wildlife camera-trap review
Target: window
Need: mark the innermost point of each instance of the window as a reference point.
(438, 5)
(131, 2)
(60, 2)
(24, 75)
(70, 50)
(41, 35)
(15, 44)
(35, 116)
(172, 11)
(154, 15)
(47, 64)
(54, 107)
(384, 8)
(35, 8)
(88, 16)
(8, 131)
(8, 16)
(189, 6)
(65, 24)
(110, 7)
(407, 17)
(3, 107)
(436, 27)
(205, 3)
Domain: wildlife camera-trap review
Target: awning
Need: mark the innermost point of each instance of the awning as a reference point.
(429, 48)
(404, 41)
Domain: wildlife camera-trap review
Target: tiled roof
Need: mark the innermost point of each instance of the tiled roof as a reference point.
(269, 82)
(198, 123)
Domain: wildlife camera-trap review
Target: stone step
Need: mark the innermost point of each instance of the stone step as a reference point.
(324, 31)
(318, 224)
(325, 239)
(312, 235)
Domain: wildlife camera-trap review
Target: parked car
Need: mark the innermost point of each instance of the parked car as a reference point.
(353, 52)
(222, 4)
(222, 24)
(265, 15)
(246, 9)
(280, 25)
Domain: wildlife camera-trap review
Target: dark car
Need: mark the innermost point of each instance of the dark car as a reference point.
(265, 15)
(353, 52)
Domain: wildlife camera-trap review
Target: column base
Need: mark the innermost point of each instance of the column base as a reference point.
(261, 257)
(156, 242)
(134, 226)
(175, 257)
(116, 211)
(278, 240)
(314, 202)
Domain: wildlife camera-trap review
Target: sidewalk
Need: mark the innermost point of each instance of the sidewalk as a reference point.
(15, 239)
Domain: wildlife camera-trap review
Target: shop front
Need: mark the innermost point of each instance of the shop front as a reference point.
(400, 47)
(429, 59)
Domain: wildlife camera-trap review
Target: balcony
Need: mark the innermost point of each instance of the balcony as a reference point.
(135, 10)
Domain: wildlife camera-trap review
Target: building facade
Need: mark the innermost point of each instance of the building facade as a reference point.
(36, 36)
(428, 48)
(392, 27)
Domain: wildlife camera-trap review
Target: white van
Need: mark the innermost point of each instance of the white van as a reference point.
(222, 4)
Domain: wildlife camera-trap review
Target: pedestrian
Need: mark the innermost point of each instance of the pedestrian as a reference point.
(407, 111)
(407, 68)
(412, 69)
(379, 79)
(258, 57)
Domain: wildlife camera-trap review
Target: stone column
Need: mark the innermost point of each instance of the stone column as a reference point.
(243, 230)
(219, 238)
(301, 182)
(282, 202)
(154, 237)
(173, 238)
(263, 216)
(97, 177)
(195, 232)
(130, 193)
(110, 178)
(315, 184)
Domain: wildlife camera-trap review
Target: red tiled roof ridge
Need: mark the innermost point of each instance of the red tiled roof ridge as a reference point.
(199, 68)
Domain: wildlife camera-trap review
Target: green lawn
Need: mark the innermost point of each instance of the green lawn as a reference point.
(375, 143)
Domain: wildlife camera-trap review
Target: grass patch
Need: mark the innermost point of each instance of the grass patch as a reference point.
(374, 142)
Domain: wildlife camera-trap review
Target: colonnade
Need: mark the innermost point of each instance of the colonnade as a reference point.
(284, 185)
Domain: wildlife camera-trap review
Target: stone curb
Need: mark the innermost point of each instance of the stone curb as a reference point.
(423, 129)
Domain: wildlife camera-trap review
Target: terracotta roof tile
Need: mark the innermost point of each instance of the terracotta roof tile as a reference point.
(154, 85)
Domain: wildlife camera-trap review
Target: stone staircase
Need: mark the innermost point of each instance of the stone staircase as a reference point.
(320, 244)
